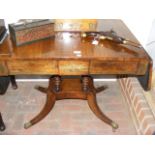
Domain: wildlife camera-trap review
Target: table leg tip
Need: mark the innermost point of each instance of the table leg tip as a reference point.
(14, 87)
(27, 125)
(114, 125)
(36, 87)
(2, 128)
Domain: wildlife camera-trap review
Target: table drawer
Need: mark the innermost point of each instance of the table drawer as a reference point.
(70, 67)
(3, 69)
(33, 67)
(111, 67)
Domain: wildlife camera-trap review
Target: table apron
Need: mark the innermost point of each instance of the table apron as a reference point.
(72, 67)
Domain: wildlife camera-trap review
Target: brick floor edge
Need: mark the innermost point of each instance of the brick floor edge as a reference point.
(141, 113)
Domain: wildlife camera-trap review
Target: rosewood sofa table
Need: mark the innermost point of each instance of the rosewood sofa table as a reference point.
(68, 54)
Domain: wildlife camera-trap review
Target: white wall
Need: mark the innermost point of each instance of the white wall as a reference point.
(140, 28)
(144, 30)
(150, 46)
(10, 20)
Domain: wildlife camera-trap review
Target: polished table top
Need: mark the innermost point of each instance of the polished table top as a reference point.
(105, 58)
(64, 45)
